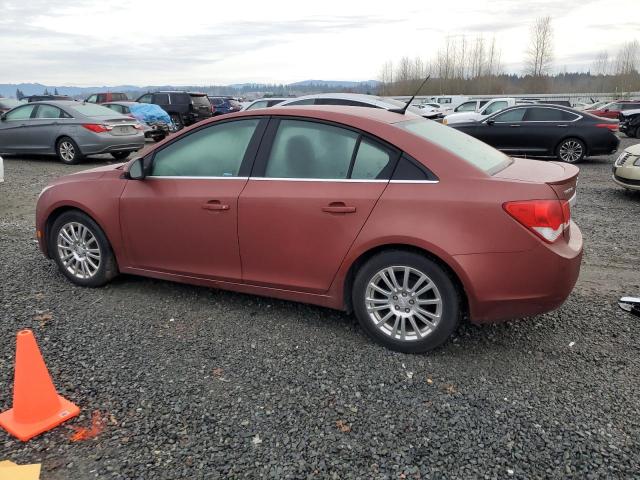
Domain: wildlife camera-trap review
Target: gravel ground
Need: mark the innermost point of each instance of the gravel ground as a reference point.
(195, 383)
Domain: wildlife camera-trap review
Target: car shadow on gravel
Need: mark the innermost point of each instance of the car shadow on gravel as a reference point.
(93, 161)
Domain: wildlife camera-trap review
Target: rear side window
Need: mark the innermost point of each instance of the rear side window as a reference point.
(180, 98)
(215, 151)
(48, 111)
(373, 161)
(92, 110)
(310, 150)
(471, 150)
(102, 98)
(540, 114)
(161, 98)
(118, 97)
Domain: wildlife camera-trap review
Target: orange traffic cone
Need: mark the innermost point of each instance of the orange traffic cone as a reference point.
(36, 405)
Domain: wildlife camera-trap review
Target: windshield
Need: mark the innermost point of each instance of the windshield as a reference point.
(471, 150)
(92, 110)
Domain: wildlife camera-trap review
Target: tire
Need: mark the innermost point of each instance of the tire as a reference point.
(68, 151)
(120, 155)
(101, 265)
(442, 302)
(159, 138)
(176, 118)
(571, 150)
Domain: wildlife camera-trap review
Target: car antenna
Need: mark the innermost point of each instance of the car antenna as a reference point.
(403, 110)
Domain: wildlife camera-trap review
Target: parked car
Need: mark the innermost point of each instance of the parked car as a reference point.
(352, 100)
(590, 105)
(630, 305)
(107, 97)
(265, 103)
(626, 168)
(433, 110)
(492, 106)
(613, 109)
(630, 122)
(545, 131)
(470, 106)
(157, 127)
(71, 130)
(7, 104)
(184, 108)
(47, 98)
(222, 105)
(451, 101)
(408, 223)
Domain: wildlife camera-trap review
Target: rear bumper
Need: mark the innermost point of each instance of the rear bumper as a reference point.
(606, 147)
(518, 284)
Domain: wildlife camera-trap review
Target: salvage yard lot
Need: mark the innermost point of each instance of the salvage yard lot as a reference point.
(197, 383)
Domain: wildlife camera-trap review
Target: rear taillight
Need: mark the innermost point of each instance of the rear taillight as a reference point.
(546, 218)
(611, 126)
(97, 128)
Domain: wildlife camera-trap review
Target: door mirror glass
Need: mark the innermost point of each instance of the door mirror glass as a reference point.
(136, 169)
(630, 305)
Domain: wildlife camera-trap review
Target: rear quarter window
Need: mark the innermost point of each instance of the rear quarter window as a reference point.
(469, 149)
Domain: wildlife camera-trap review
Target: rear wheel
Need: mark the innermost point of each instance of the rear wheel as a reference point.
(571, 150)
(120, 155)
(81, 250)
(406, 301)
(68, 151)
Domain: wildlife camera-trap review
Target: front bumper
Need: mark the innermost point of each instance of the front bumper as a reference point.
(518, 284)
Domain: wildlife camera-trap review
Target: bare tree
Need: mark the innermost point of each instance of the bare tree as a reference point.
(386, 78)
(540, 51)
(628, 58)
(601, 63)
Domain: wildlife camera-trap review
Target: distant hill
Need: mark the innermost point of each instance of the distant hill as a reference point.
(306, 86)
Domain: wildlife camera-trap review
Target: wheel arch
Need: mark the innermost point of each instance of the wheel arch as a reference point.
(57, 212)
(367, 254)
(587, 147)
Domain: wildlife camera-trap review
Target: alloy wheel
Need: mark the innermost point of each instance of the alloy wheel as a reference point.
(79, 250)
(403, 303)
(67, 151)
(571, 151)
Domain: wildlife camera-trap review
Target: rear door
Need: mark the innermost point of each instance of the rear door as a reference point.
(44, 128)
(545, 127)
(182, 218)
(313, 188)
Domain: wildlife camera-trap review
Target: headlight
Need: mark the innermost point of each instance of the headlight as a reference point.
(444, 121)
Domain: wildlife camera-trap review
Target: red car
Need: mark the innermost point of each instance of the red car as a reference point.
(612, 110)
(410, 224)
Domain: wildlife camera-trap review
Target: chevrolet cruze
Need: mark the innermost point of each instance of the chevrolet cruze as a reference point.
(411, 225)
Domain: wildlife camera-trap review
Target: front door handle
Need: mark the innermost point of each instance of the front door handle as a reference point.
(215, 205)
(562, 125)
(338, 207)
(515, 125)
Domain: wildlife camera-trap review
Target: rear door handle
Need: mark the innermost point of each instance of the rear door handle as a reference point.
(562, 125)
(215, 205)
(514, 125)
(338, 207)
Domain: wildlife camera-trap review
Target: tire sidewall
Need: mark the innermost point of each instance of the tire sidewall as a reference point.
(572, 139)
(107, 268)
(118, 157)
(78, 154)
(446, 287)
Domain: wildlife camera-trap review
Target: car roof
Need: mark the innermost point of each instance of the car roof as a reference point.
(121, 102)
(325, 111)
(60, 103)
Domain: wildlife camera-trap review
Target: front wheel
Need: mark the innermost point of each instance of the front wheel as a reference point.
(571, 150)
(406, 301)
(81, 250)
(68, 151)
(176, 118)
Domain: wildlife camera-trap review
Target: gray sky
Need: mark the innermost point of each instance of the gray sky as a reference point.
(139, 42)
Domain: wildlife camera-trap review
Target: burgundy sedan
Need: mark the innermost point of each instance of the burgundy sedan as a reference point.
(410, 224)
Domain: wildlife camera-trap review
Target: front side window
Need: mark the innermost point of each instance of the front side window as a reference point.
(304, 149)
(20, 113)
(145, 98)
(215, 151)
(494, 107)
(515, 115)
(372, 161)
(48, 111)
(468, 148)
(466, 107)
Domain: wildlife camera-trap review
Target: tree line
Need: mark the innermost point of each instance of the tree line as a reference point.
(472, 65)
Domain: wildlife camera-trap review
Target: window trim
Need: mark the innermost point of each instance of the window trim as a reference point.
(245, 165)
(260, 164)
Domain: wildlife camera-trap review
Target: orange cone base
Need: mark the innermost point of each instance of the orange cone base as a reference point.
(26, 431)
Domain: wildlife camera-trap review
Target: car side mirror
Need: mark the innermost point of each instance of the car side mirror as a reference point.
(3, 117)
(606, 110)
(136, 169)
(490, 122)
(630, 305)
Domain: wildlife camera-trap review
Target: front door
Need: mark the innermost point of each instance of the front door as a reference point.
(503, 131)
(313, 189)
(15, 136)
(182, 218)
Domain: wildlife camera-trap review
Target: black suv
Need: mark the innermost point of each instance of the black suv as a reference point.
(184, 108)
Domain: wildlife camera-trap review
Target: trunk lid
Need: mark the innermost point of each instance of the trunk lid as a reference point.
(561, 177)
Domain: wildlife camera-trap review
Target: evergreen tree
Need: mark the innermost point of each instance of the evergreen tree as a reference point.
(55, 91)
